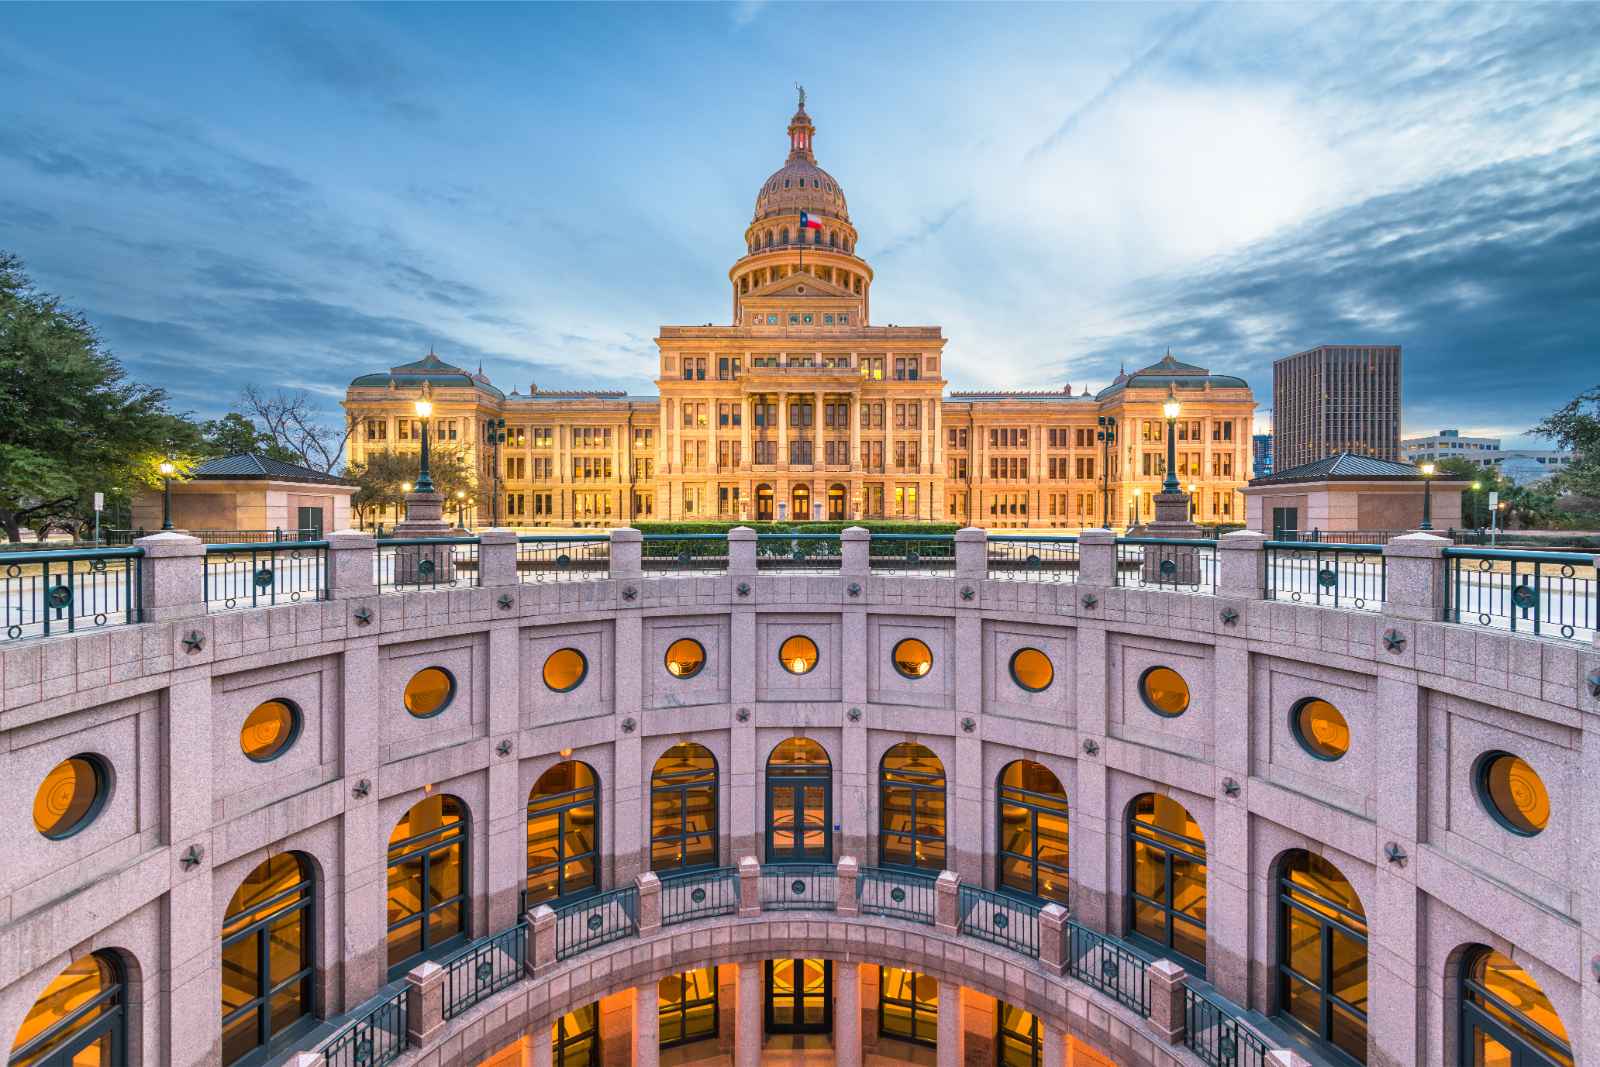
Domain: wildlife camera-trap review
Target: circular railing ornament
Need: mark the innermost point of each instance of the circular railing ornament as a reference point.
(1327, 578)
(1034, 562)
(363, 1052)
(60, 596)
(595, 921)
(1000, 921)
(797, 887)
(425, 567)
(1168, 568)
(1525, 597)
(698, 896)
(912, 557)
(683, 557)
(1109, 967)
(1227, 1048)
(563, 560)
(98, 566)
(484, 971)
(897, 895)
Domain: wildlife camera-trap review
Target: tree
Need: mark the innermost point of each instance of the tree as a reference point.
(288, 420)
(1576, 427)
(234, 434)
(1474, 502)
(380, 478)
(71, 423)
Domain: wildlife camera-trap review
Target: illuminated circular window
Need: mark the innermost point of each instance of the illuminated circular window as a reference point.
(913, 658)
(1320, 728)
(1164, 691)
(269, 730)
(1513, 792)
(430, 691)
(70, 796)
(798, 654)
(565, 669)
(1032, 669)
(685, 657)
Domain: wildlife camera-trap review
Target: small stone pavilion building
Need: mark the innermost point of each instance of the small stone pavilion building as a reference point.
(1345, 493)
(250, 493)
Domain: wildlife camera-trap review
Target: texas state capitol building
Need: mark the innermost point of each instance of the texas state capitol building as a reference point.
(804, 409)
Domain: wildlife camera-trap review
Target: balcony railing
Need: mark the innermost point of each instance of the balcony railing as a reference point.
(1001, 919)
(699, 894)
(798, 552)
(1018, 558)
(415, 563)
(483, 968)
(1110, 965)
(1212, 1031)
(1337, 575)
(250, 575)
(685, 553)
(1178, 564)
(799, 887)
(1546, 594)
(572, 558)
(375, 1037)
(61, 592)
(912, 554)
(596, 920)
(897, 894)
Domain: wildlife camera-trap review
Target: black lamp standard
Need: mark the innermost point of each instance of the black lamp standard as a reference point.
(168, 468)
(461, 499)
(497, 437)
(1107, 436)
(1427, 496)
(425, 413)
(1476, 486)
(1170, 409)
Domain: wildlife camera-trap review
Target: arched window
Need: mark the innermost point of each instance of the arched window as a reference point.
(1322, 953)
(816, 237)
(1167, 880)
(1033, 832)
(911, 808)
(267, 960)
(78, 1018)
(683, 808)
(427, 882)
(783, 236)
(575, 1038)
(563, 834)
(687, 1006)
(1506, 1018)
(1017, 1039)
(799, 803)
(908, 1006)
(769, 238)
(833, 239)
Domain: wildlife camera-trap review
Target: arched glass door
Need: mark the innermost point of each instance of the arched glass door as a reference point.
(563, 834)
(911, 808)
(764, 502)
(799, 803)
(1506, 1020)
(800, 502)
(1322, 954)
(78, 1018)
(267, 960)
(427, 882)
(683, 809)
(836, 503)
(1033, 832)
(1167, 880)
(799, 997)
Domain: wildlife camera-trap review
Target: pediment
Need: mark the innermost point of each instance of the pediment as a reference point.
(802, 286)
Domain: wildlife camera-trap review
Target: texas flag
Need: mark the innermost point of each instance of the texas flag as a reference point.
(809, 223)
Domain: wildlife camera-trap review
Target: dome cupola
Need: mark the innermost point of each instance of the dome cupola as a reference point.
(801, 185)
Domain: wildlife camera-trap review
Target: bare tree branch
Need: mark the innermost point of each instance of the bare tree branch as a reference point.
(288, 418)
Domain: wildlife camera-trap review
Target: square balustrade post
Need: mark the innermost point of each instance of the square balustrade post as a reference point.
(649, 902)
(541, 949)
(947, 902)
(749, 887)
(1053, 934)
(1414, 577)
(972, 554)
(855, 549)
(627, 553)
(351, 574)
(742, 551)
(424, 1003)
(1242, 565)
(497, 557)
(172, 577)
(1167, 983)
(1097, 558)
(849, 901)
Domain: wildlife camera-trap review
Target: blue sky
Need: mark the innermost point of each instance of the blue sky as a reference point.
(296, 194)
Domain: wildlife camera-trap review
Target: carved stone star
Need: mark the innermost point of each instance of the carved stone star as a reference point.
(743, 715)
(1091, 746)
(1395, 854)
(505, 600)
(629, 593)
(969, 724)
(1090, 600)
(854, 714)
(1230, 787)
(628, 725)
(854, 589)
(361, 788)
(743, 589)
(191, 857)
(1229, 616)
(194, 642)
(967, 592)
(1394, 640)
(363, 616)
(504, 747)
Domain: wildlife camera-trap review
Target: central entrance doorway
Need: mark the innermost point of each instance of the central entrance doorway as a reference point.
(763, 502)
(836, 502)
(799, 803)
(800, 502)
(799, 997)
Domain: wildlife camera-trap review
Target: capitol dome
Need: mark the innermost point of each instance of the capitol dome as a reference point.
(801, 185)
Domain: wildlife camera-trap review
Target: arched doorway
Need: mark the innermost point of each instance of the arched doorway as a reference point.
(911, 808)
(427, 882)
(799, 996)
(799, 803)
(1033, 832)
(563, 834)
(683, 809)
(764, 502)
(1506, 1018)
(836, 503)
(78, 1018)
(1167, 880)
(267, 960)
(800, 501)
(1322, 953)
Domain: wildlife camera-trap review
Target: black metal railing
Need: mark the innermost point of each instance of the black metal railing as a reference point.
(1178, 564)
(1001, 919)
(912, 554)
(250, 575)
(111, 536)
(569, 558)
(596, 920)
(412, 563)
(798, 552)
(699, 894)
(1213, 1032)
(1542, 593)
(375, 1037)
(60, 592)
(483, 968)
(1337, 575)
(685, 553)
(1033, 559)
(897, 894)
(1109, 965)
(799, 887)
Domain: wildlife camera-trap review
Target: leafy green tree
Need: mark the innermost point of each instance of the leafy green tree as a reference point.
(1474, 502)
(381, 478)
(1576, 427)
(71, 423)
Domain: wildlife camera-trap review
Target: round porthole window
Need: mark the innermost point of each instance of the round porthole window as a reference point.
(798, 654)
(1320, 728)
(1513, 792)
(1032, 669)
(565, 669)
(70, 796)
(685, 657)
(913, 658)
(269, 730)
(1164, 691)
(430, 691)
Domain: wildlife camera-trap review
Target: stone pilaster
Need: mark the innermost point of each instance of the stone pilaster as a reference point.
(1097, 558)
(847, 902)
(649, 887)
(1414, 577)
(747, 1031)
(749, 887)
(171, 577)
(947, 902)
(972, 554)
(350, 573)
(424, 1003)
(950, 1034)
(1241, 565)
(854, 550)
(646, 1026)
(497, 557)
(1167, 983)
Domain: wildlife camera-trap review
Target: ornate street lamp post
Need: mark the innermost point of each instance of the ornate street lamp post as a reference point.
(1170, 409)
(168, 468)
(1427, 496)
(1107, 436)
(424, 407)
(461, 498)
